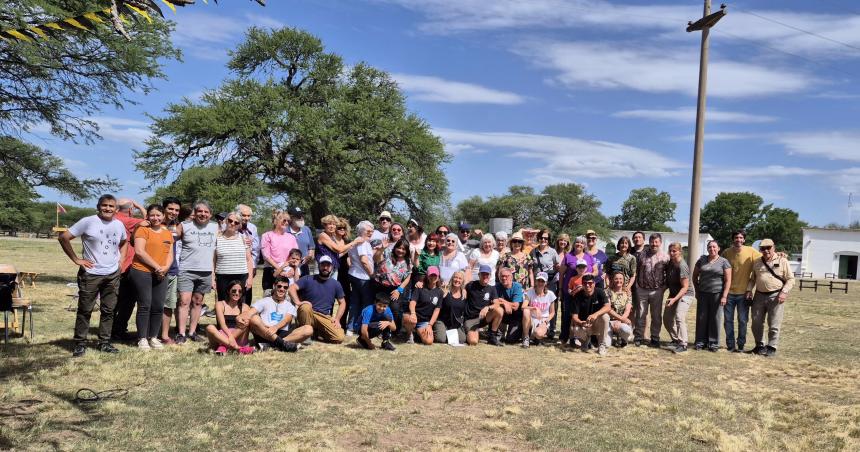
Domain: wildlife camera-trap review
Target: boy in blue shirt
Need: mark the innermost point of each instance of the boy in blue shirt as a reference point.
(377, 320)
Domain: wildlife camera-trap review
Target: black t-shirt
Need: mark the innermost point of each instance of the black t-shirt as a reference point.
(478, 297)
(585, 305)
(426, 300)
(451, 313)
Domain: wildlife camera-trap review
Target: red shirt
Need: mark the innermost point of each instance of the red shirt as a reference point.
(129, 223)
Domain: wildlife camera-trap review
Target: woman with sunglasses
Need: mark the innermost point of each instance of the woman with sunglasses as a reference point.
(275, 246)
(391, 276)
(153, 255)
(231, 331)
(233, 260)
(331, 245)
(562, 247)
(343, 234)
(453, 260)
(395, 234)
(598, 256)
(519, 262)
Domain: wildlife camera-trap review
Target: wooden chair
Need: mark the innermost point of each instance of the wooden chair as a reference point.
(12, 299)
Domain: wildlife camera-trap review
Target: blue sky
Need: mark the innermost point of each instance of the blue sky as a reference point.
(545, 91)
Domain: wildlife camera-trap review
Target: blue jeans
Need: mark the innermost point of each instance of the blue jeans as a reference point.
(742, 305)
(361, 296)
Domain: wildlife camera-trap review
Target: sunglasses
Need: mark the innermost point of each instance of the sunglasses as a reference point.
(450, 241)
(385, 219)
(396, 230)
(589, 283)
(764, 248)
(341, 228)
(236, 291)
(592, 238)
(544, 239)
(281, 286)
(229, 221)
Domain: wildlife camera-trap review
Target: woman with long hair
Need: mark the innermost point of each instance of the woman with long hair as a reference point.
(153, 255)
(452, 311)
(275, 246)
(391, 276)
(712, 277)
(233, 260)
(330, 244)
(623, 262)
(231, 331)
(343, 234)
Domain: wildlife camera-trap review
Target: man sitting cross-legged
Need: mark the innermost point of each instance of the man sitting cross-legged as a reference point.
(377, 320)
(314, 297)
(271, 317)
(483, 308)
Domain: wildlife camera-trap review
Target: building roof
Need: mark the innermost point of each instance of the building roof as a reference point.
(830, 229)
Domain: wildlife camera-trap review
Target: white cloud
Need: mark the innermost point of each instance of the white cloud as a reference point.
(616, 66)
(563, 158)
(434, 89)
(206, 36)
(122, 130)
(688, 114)
(768, 172)
(263, 21)
(835, 145)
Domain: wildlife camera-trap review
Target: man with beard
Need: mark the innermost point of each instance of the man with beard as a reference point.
(314, 297)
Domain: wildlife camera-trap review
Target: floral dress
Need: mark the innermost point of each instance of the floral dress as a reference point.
(519, 267)
(390, 273)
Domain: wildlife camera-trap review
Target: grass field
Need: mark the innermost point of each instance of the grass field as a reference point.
(430, 398)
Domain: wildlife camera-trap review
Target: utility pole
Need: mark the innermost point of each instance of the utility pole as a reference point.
(704, 24)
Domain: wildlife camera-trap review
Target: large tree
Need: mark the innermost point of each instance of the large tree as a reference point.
(333, 138)
(60, 82)
(729, 212)
(646, 209)
(781, 225)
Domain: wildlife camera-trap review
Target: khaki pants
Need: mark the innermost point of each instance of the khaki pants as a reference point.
(599, 328)
(324, 328)
(675, 319)
(767, 305)
(649, 301)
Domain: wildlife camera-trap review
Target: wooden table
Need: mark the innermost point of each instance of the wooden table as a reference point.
(22, 276)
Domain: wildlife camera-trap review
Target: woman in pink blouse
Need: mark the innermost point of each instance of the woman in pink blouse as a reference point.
(275, 246)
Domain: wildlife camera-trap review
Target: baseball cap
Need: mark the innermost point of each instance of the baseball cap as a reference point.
(221, 216)
(485, 269)
(590, 232)
(296, 212)
(433, 270)
(588, 277)
(765, 242)
(463, 226)
(581, 263)
(384, 214)
(325, 259)
(543, 276)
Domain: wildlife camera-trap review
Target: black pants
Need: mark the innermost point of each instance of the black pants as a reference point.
(708, 319)
(566, 308)
(515, 327)
(91, 288)
(343, 279)
(124, 305)
(268, 278)
(222, 280)
(151, 292)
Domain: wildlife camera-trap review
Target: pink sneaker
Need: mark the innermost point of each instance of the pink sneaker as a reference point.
(246, 350)
(221, 350)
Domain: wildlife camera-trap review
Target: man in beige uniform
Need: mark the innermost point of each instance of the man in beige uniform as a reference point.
(772, 279)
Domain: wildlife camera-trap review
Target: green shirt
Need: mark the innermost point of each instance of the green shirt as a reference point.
(427, 260)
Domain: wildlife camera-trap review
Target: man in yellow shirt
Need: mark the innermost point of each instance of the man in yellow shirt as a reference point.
(741, 257)
(772, 279)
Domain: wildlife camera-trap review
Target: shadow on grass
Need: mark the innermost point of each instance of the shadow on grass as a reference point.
(23, 359)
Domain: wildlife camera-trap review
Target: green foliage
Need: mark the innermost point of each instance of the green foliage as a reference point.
(560, 207)
(728, 212)
(210, 183)
(334, 139)
(781, 225)
(646, 209)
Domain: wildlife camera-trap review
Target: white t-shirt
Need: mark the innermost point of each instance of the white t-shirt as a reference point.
(540, 304)
(101, 243)
(273, 313)
(479, 259)
(447, 267)
(355, 268)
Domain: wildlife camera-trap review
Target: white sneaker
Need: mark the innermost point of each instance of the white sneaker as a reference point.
(601, 350)
(155, 343)
(143, 344)
(410, 339)
(350, 333)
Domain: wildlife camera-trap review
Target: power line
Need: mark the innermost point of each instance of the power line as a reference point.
(810, 33)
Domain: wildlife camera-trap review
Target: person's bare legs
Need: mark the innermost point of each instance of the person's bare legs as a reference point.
(215, 337)
(182, 312)
(426, 335)
(494, 317)
(166, 317)
(527, 323)
(408, 325)
(300, 334)
(196, 307)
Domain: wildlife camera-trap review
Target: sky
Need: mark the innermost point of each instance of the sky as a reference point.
(597, 92)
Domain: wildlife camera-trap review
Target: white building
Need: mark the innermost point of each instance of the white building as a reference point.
(668, 237)
(831, 251)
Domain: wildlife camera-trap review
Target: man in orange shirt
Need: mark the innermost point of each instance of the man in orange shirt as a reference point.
(126, 299)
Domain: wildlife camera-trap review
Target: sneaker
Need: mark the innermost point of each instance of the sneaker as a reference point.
(699, 346)
(410, 339)
(493, 339)
(637, 342)
(601, 350)
(79, 351)
(246, 350)
(525, 343)
(290, 347)
(762, 351)
(107, 348)
(755, 350)
(770, 352)
(180, 339)
(350, 333)
(194, 337)
(584, 346)
(221, 350)
(713, 348)
(680, 348)
(654, 343)
(308, 342)
(167, 341)
(263, 346)
(622, 343)
(536, 342)
(155, 343)
(143, 345)
(387, 345)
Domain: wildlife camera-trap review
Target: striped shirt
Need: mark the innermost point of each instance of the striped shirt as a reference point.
(230, 257)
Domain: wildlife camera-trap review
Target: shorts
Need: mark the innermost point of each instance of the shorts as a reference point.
(172, 296)
(536, 322)
(195, 282)
(475, 324)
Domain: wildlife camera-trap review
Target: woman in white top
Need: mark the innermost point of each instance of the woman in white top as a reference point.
(416, 236)
(232, 259)
(539, 309)
(486, 254)
(452, 260)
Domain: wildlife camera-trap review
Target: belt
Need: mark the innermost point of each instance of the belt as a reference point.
(769, 293)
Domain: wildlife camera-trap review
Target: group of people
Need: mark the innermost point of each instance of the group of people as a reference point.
(394, 282)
